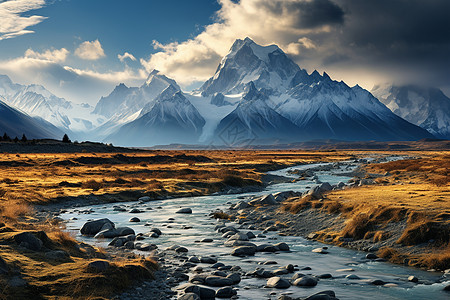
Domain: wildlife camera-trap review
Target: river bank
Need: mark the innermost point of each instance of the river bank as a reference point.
(186, 230)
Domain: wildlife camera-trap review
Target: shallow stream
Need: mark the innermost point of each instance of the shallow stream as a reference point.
(301, 255)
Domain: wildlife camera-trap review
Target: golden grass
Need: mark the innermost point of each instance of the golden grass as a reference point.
(416, 193)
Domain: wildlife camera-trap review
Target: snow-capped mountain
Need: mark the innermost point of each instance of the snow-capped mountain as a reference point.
(426, 107)
(124, 104)
(37, 101)
(267, 67)
(170, 118)
(253, 119)
(16, 123)
(258, 95)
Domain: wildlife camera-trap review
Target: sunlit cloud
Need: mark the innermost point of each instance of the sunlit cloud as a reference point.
(90, 50)
(126, 55)
(13, 23)
(266, 21)
(55, 55)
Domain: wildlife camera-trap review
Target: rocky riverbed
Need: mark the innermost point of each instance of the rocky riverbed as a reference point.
(256, 257)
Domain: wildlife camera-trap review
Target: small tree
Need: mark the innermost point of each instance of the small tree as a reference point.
(6, 137)
(66, 139)
(24, 138)
(16, 139)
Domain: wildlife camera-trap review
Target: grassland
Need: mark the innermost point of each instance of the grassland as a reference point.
(31, 180)
(406, 211)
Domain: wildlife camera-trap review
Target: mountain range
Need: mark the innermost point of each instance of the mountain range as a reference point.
(257, 95)
(37, 101)
(426, 107)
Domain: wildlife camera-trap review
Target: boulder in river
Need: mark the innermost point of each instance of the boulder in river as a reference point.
(135, 220)
(306, 281)
(218, 281)
(94, 227)
(189, 296)
(226, 292)
(243, 251)
(235, 277)
(239, 236)
(324, 295)
(185, 210)
(278, 283)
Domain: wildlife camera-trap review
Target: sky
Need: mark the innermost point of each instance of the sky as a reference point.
(81, 49)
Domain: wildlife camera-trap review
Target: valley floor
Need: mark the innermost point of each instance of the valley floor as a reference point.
(410, 205)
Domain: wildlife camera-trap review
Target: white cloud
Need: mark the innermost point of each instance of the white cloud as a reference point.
(56, 55)
(65, 81)
(125, 56)
(283, 22)
(12, 22)
(90, 50)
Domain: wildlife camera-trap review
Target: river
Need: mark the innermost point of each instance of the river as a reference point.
(300, 254)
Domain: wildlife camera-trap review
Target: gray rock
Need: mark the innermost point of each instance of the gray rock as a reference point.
(413, 278)
(305, 281)
(28, 240)
(282, 246)
(377, 282)
(297, 276)
(217, 265)
(324, 295)
(135, 211)
(98, 266)
(320, 251)
(250, 235)
(280, 271)
(243, 251)
(278, 283)
(225, 292)
(218, 281)
(194, 259)
(145, 246)
(240, 205)
(181, 250)
(156, 230)
(371, 256)
(447, 288)
(352, 277)
(237, 243)
(202, 292)
(235, 277)
(189, 296)
(207, 240)
(94, 227)
(185, 210)
(135, 220)
(267, 248)
(325, 276)
(208, 260)
(123, 231)
(238, 236)
(107, 234)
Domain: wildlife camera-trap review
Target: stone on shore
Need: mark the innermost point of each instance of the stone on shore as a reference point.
(94, 227)
(185, 210)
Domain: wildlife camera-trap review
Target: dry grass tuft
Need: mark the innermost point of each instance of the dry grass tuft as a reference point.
(15, 209)
(358, 226)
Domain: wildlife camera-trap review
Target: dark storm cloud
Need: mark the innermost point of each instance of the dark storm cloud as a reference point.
(409, 36)
(308, 14)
